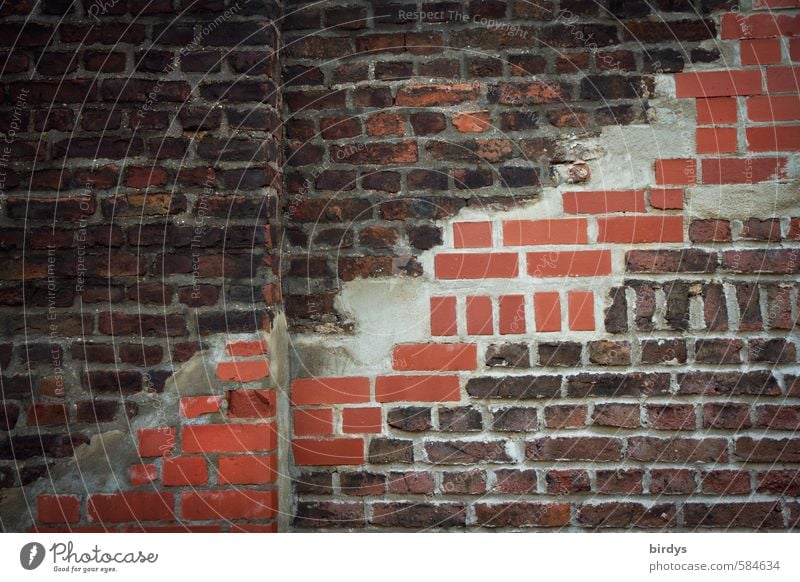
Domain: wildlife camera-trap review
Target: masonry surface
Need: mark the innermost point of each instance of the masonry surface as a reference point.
(399, 266)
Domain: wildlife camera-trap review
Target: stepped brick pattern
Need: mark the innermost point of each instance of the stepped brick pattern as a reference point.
(139, 187)
(618, 365)
(214, 469)
(599, 353)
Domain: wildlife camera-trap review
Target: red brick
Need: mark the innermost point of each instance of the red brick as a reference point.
(569, 263)
(716, 111)
(330, 390)
(794, 49)
(247, 470)
(472, 235)
(726, 483)
(58, 509)
(547, 310)
(180, 471)
(251, 404)
(558, 231)
(443, 316)
(313, 422)
(666, 198)
(716, 140)
(228, 438)
(736, 25)
(640, 229)
(243, 370)
(773, 108)
(142, 474)
(156, 442)
(512, 314)
(604, 201)
(42, 414)
(361, 420)
(417, 388)
(671, 416)
(418, 95)
(435, 357)
(131, 506)
(773, 138)
(581, 310)
(760, 51)
(194, 406)
(472, 121)
(346, 451)
(229, 504)
(476, 265)
(678, 171)
(523, 514)
(783, 79)
(480, 320)
(742, 170)
(247, 348)
(718, 83)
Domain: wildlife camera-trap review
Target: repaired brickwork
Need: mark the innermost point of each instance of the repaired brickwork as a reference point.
(538, 262)
(140, 181)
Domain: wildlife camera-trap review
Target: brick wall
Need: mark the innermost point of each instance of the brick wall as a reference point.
(618, 353)
(538, 260)
(140, 177)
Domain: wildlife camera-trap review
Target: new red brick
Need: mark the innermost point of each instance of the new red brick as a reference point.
(229, 504)
(131, 506)
(58, 509)
(783, 79)
(142, 474)
(716, 111)
(773, 108)
(718, 83)
(194, 406)
(246, 349)
(361, 420)
(581, 310)
(228, 438)
(569, 263)
(676, 172)
(247, 470)
(155, 442)
(472, 235)
(666, 198)
(547, 310)
(604, 201)
(640, 229)
(330, 390)
(417, 388)
(435, 357)
(443, 316)
(775, 138)
(512, 314)
(480, 320)
(736, 25)
(558, 231)
(243, 370)
(182, 471)
(308, 422)
(476, 265)
(716, 140)
(742, 170)
(762, 51)
(345, 451)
